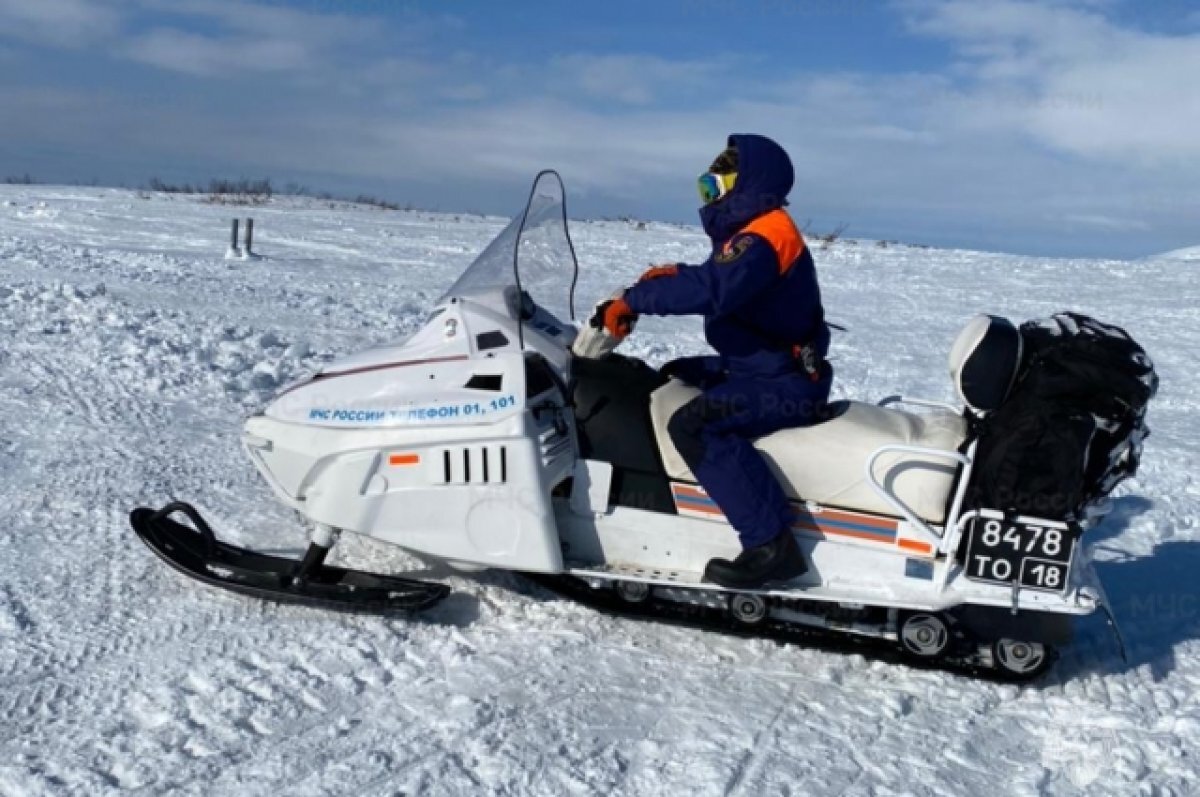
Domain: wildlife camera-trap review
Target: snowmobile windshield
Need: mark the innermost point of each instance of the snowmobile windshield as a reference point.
(533, 255)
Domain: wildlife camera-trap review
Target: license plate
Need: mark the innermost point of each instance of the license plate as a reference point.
(1036, 557)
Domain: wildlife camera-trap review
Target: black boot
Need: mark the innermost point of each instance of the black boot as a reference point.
(775, 561)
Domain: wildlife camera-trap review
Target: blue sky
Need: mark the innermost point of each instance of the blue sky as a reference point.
(1057, 126)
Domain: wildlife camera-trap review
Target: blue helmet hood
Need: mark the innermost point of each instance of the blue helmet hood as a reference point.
(765, 178)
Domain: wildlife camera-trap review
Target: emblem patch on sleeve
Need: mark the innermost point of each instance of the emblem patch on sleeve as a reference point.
(734, 249)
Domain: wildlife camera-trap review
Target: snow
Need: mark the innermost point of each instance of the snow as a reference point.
(1190, 254)
(131, 352)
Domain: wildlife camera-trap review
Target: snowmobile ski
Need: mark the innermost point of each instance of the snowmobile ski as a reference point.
(195, 551)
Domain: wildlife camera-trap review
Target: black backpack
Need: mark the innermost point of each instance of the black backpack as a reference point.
(1073, 426)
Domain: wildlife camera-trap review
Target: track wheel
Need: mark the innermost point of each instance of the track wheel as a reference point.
(633, 591)
(924, 635)
(1019, 658)
(747, 608)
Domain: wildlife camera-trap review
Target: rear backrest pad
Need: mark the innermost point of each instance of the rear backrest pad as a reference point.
(984, 361)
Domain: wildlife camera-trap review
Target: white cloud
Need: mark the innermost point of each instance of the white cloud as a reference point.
(631, 78)
(248, 37)
(205, 55)
(1071, 78)
(64, 23)
(996, 29)
(236, 37)
(1106, 223)
(262, 21)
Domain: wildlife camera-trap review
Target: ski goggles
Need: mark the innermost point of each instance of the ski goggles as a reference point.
(714, 186)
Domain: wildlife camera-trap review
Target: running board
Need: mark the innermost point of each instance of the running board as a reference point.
(862, 594)
(842, 592)
(196, 552)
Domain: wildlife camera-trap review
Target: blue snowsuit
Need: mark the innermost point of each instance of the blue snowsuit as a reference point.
(759, 314)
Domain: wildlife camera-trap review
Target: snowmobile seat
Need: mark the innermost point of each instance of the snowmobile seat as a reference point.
(826, 462)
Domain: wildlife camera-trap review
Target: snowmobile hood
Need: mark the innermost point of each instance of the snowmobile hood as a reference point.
(765, 178)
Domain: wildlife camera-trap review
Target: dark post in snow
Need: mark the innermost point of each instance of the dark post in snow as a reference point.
(233, 252)
(247, 251)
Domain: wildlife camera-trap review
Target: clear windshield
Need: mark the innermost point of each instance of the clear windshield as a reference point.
(534, 252)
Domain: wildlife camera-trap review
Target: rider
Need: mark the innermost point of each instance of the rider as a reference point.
(762, 312)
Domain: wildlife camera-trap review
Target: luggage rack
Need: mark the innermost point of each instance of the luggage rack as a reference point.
(942, 542)
(947, 539)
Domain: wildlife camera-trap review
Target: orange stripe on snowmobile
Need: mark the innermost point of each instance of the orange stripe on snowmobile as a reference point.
(883, 524)
(825, 531)
(690, 492)
(404, 459)
(814, 521)
(914, 545)
(820, 520)
(777, 229)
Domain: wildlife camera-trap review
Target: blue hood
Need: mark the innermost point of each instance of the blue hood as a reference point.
(764, 179)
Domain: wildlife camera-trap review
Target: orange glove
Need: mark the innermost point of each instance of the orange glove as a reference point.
(615, 317)
(654, 272)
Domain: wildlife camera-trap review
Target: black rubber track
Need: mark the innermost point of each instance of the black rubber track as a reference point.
(197, 553)
(958, 661)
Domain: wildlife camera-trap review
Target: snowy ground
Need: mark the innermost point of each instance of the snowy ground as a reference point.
(130, 353)
(1189, 254)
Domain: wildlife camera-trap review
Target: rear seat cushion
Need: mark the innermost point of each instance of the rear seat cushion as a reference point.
(826, 463)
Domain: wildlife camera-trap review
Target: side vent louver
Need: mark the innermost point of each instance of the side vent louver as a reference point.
(475, 465)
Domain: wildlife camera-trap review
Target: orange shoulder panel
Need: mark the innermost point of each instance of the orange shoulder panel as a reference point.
(778, 229)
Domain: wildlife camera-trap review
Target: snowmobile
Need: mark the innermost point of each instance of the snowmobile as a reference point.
(502, 434)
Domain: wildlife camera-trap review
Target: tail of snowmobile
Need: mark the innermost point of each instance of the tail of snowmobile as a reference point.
(484, 441)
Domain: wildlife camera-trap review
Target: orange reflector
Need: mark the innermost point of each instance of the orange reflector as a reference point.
(913, 545)
(404, 459)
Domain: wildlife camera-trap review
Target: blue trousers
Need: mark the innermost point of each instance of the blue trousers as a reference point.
(714, 434)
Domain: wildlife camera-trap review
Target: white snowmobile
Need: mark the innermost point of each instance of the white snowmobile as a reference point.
(486, 441)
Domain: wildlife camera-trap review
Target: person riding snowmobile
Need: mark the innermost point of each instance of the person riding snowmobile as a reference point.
(762, 312)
